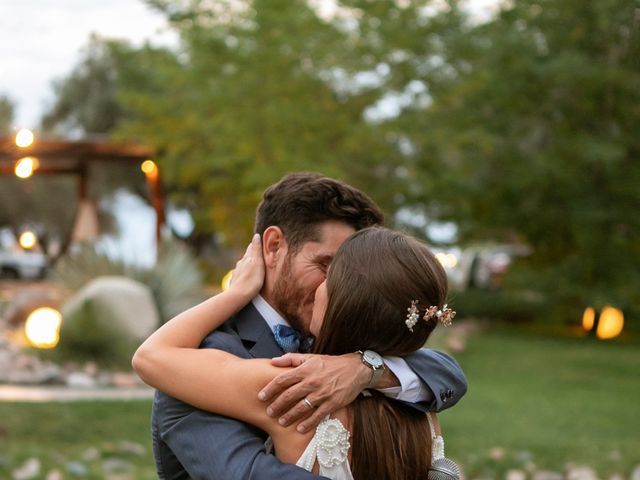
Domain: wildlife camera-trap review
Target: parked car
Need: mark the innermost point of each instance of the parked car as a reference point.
(22, 264)
(18, 263)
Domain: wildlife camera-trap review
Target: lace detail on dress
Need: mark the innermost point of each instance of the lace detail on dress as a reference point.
(330, 447)
(333, 442)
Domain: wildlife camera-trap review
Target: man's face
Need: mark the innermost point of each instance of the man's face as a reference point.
(302, 272)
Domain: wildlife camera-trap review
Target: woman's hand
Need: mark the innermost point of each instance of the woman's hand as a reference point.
(248, 276)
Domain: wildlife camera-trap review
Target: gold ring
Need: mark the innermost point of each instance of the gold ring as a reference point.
(309, 404)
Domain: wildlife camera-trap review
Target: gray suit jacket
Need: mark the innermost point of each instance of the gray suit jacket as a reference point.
(191, 443)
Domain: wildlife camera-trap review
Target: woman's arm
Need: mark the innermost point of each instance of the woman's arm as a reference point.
(189, 328)
(210, 379)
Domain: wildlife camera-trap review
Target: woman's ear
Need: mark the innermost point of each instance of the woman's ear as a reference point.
(274, 246)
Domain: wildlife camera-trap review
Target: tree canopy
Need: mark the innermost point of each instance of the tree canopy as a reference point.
(519, 128)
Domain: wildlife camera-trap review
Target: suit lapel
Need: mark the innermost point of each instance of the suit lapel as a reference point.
(255, 333)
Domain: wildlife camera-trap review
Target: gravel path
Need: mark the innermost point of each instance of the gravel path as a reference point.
(20, 393)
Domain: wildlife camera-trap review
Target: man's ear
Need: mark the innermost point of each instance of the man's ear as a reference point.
(274, 246)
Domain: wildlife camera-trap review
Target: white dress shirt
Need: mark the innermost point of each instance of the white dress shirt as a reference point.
(411, 389)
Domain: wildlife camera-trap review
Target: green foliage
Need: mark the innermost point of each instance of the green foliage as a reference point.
(85, 100)
(534, 140)
(256, 91)
(519, 129)
(503, 304)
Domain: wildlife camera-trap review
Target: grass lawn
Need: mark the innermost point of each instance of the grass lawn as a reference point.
(533, 399)
(98, 438)
(548, 401)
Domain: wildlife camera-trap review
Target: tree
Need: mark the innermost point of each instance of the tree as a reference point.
(85, 101)
(248, 98)
(534, 138)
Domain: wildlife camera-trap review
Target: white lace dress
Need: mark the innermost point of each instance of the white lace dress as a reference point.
(330, 447)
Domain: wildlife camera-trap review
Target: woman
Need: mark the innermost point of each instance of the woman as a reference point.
(384, 291)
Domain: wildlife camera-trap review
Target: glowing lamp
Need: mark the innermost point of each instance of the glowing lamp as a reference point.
(610, 324)
(226, 280)
(588, 318)
(25, 167)
(27, 240)
(42, 327)
(149, 168)
(447, 260)
(24, 138)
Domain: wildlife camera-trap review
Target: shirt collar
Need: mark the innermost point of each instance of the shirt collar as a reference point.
(270, 315)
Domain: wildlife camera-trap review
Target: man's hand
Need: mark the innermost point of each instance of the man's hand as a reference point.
(327, 382)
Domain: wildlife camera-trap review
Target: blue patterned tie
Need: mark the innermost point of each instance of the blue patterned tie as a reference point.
(289, 340)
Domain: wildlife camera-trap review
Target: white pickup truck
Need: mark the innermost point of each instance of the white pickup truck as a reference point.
(16, 263)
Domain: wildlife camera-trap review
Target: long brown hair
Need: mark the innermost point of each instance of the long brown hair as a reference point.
(372, 281)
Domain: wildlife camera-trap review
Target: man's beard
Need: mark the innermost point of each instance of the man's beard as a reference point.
(288, 297)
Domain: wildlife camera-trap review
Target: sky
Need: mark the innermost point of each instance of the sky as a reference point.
(40, 40)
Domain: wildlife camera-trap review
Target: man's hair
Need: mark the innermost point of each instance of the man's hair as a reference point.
(299, 202)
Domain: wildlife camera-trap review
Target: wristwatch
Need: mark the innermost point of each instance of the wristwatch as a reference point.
(374, 361)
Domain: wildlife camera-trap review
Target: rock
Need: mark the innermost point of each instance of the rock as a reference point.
(29, 469)
(132, 448)
(547, 475)
(523, 456)
(496, 453)
(54, 474)
(116, 465)
(515, 475)
(111, 315)
(635, 473)
(581, 472)
(77, 469)
(80, 380)
(90, 454)
(616, 476)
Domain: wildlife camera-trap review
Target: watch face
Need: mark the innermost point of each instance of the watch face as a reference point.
(372, 358)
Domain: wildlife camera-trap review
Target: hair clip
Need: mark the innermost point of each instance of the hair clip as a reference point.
(444, 315)
(412, 316)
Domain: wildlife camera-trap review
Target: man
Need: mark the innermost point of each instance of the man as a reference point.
(303, 219)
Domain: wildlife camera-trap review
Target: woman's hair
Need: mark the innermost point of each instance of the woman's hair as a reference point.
(373, 279)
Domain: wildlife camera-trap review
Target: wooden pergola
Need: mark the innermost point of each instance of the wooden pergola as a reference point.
(66, 157)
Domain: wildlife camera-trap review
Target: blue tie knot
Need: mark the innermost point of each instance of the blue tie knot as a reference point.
(290, 340)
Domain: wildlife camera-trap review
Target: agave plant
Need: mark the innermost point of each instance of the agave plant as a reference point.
(176, 280)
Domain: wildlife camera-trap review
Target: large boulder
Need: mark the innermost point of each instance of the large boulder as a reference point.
(107, 318)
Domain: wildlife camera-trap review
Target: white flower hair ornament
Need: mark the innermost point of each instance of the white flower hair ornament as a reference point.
(443, 315)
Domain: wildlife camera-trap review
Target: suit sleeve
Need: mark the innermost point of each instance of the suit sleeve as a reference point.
(210, 446)
(442, 376)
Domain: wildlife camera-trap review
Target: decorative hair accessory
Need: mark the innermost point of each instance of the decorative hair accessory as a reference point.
(413, 316)
(444, 315)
